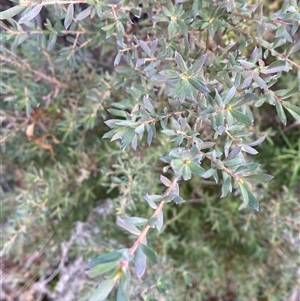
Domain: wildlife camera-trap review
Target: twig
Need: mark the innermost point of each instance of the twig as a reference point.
(22, 65)
(155, 119)
(232, 174)
(156, 212)
(49, 2)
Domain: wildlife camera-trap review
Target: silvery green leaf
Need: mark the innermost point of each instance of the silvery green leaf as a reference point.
(31, 14)
(210, 99)
(122, 294)
(246, 64)
(247, 98)
(286, 93)
(169, 74)
(260, 102)
(109, 257)
(11, 12)
(118, 58)
(209, 173)
(244, 194)
(198, 84)
(186, 172)
(127, 226)
(102, 268)
(280, 112)
(160, 220)
(169, 132)
(149, 253)
(52, 41)
(180, 62)
(151, 133)
(294, 47)
(206, 112)
(140, 62)
(196, 169)
(198, 65)
(219, 164)
(247, 80)
(178, 200)
(259, 81)
(103, 290)
(250, 150)
(126, 123)
(84, 14)
(169, 198)
(140, 129)
(116, 112)
(241, 117)
(243, 134)
(148, 105)
(165, 180)
(151, 199)
(226, 186)
(175, 189)
(233, 153)
(166, 159)
(172, 29)
(294, 114)
(276, 67)
(255, 55)
(204, 145)
(220, 119)
(218, 99)
(247, 168)
(229, 95)
(152, 221)
(252, 199)
(118, 134)
(175, 123)
(167, 12)
(182, 26)
(228, 143)
(229, 118)
(183, 90)
(233, 162)
(257, 142)
(153, 46)
(134, 142)
(145, 47)
(58, 10)
(136, 221)
(258, 178)
(69, 16)
(295, 28)
(140, 262)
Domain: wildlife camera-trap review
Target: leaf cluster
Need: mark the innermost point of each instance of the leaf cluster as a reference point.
(180, 87)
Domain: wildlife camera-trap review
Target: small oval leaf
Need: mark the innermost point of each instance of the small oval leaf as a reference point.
(149, 253)
(11, 12)
(69, 16)
(85, 13)
(32, 14)
(103, 290)
(140, 262)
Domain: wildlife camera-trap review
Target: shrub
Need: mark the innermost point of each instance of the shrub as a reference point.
(183, 88)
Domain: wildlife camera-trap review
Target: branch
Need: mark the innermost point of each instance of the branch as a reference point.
(156, 212)
(258, 42)
(24, 66)
(227, 170)
(49, 2)
(155, 119)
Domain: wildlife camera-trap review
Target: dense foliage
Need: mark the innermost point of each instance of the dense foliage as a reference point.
(148, 115)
